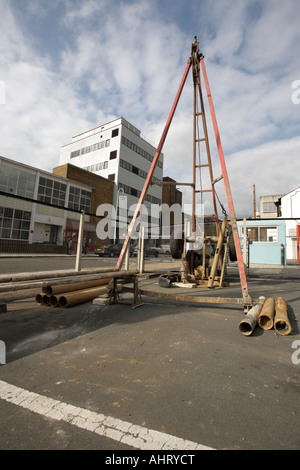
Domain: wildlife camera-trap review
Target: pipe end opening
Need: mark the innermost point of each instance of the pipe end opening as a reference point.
(53, 301)
(45, 300)
(265, 322)
(62, 301)
(245, 328)
(281, 326)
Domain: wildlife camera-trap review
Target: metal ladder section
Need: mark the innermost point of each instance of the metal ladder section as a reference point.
(195, 61)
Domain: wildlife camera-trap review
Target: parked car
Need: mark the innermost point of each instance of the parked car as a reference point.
(153, 251)
(110, 250)
(164, 249)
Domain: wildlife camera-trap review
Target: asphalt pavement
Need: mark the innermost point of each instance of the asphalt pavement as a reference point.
(167, 375)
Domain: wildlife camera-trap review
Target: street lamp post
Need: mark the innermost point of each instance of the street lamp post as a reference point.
(117, 204)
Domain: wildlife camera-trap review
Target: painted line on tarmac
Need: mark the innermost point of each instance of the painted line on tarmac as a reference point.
(127, 433)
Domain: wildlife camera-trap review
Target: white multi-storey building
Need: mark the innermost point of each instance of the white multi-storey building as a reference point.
(117, 151)
(290, 210)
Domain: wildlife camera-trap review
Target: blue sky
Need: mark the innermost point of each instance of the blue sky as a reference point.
(71, 65)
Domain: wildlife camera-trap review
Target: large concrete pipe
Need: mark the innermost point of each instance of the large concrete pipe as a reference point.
(248, 324)
(266, 317)
(80, 296)
(281, 322)
(53, 290)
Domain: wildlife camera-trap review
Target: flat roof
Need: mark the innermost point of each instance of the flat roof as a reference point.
(44, 172)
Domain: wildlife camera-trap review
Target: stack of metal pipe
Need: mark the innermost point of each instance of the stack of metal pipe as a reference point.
(68, 292)
(268, 314)
(67, 295)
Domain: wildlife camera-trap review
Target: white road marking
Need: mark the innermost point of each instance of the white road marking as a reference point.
(127, 433)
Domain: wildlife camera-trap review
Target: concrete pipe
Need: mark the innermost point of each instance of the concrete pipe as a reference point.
(78, 297)
(247, 325)
(66, 287)
(281, 322)
(266, 317)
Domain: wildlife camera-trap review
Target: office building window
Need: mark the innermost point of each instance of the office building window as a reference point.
(16, 181)
(14, 223)
(140, 151)
(52, 192)
(135, 170)
(113, 155)
(115, 133)
(79, 199)
(90, 148)
(96, 166)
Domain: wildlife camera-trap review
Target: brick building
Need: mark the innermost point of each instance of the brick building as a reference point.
(102, 193)
(170, 196)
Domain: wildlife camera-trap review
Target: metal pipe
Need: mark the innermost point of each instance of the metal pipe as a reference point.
(142, 250)
(53, 301)
(245, 241)
(194, 163)
(60, 289)
(217, 254)
(79, 243)
(254, 202)
(42, 299)
(91, 277)
(266, 317)
(78, 297)
(281, 322)
(46, 300)
(207, 143)
(152, 167)
(59, 292)
(242, 273)
(298, 237)
(247, 325)
(39, 298)
(12, 287)
(127, 254)
(187, 298)
(52, 274)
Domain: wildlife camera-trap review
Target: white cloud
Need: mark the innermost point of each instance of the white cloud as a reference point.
(127, 59)
(272, 167)
(272, 40)
(78, 11)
